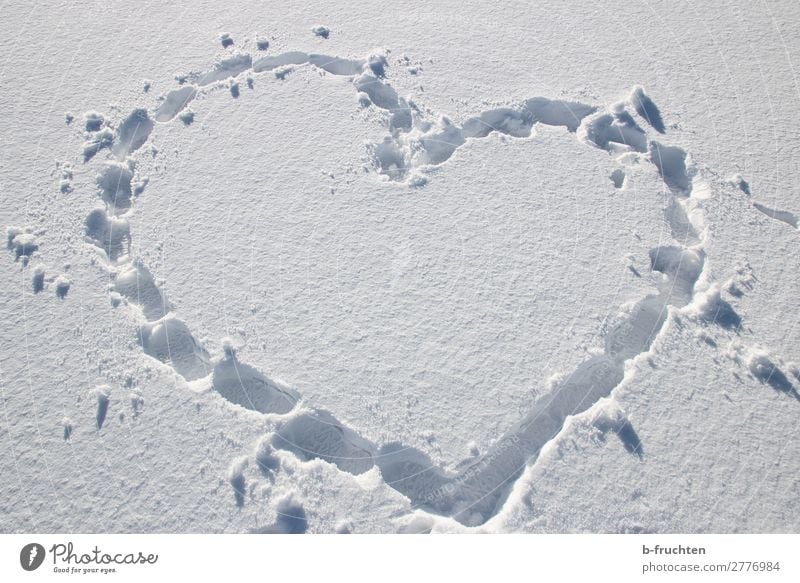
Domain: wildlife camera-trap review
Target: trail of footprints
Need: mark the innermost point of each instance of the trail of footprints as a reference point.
(415, 144)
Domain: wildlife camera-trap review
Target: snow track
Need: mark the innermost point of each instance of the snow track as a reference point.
(415, 145)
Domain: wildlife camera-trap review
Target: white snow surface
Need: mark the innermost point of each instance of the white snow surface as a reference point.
(528, 267)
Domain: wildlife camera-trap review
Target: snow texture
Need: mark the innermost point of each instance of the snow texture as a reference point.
(327, 285)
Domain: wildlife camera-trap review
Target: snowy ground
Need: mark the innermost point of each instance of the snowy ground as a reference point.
(318, 267)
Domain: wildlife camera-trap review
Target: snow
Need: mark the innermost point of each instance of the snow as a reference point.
(459, 282)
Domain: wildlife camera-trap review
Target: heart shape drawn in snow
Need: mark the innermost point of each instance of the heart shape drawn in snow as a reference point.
(414, 147)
